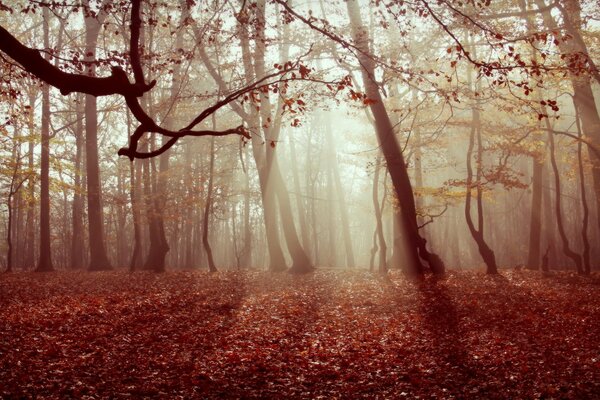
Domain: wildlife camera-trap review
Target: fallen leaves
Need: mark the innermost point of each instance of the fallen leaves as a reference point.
(326, 335)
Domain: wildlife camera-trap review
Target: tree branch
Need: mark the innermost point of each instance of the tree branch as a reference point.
(32, 61)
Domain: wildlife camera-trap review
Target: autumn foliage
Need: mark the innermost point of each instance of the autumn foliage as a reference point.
(326, 335)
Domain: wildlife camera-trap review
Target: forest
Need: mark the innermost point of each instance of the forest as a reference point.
(300, 199)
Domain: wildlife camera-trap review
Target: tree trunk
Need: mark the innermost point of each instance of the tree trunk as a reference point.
(559, 221)
(487, 254)
(583, 95)
(159, 247)
(98, 258)
(586, 212)
(277, 259)
(416, 245)
(134, 193)
(274, 181)
(549, 257)
(299, 198)
(378, 221)
(208, 204)
(535, 224)
(45, 260)
(341, 202)
(77, 256)
(30, 247)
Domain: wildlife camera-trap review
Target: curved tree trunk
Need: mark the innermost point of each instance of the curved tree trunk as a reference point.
(583, 95)
(416, 245)
(276, 258)
(559, 221)
(378, 235)
(271, 126)
(487, 254)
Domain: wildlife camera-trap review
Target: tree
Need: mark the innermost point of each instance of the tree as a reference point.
(45, 260)
(391, 151)
(98, 258)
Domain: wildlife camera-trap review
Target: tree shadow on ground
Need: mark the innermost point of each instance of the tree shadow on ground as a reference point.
(441, 325)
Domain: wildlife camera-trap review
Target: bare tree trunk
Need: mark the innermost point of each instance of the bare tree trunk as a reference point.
(487, 254)
(416, 245)
(535, 224)
(332, 251)
(159, 246)
(378, 220)
(77, 255)
(277, 259)
(586, 212)
(274, 181)
(30, 245)
(418, 155)
(559, 221)
(120, 216)
(299, 198)
(311, 183)
(135, 172)
(45, 260)
(208, 205)
(581, 82)
(550, 253)
(13, 189)
(98, 258)
(341, 202)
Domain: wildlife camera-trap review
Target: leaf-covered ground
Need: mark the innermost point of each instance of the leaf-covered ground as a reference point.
(326, 335)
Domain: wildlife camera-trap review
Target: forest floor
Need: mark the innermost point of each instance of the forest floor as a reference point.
(325, 335)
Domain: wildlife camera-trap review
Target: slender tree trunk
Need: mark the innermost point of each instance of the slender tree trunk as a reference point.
(121, 219)
(208, 205)
(159, 246)
(378, 220)
(299, 198)
(487, 254)
(9, 230)
(549, 254)
(30, 245)
(341, 202)
(416, 245)
(277, 259)
(311, 183)
(134, 193)
(274, 181)
(559, 221)
(45, 260)
(77, 249)
(586, 212)
(581, 82)
(13, 189)
(246, 257)
(418, 155)
(535, 224)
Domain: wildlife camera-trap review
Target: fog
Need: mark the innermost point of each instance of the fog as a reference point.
(303, 135)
